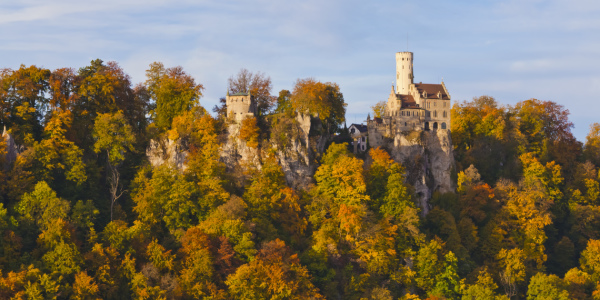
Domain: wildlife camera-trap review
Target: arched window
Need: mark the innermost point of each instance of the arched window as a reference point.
(435, 126)
(435, 113)
(443, 125)
(405, 124)
(445, 115)
(426, 125)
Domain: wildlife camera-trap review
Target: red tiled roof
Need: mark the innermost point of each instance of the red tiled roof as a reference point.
(407, 101)
(432, 90)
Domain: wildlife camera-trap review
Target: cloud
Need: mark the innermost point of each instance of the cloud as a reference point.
(509, 49)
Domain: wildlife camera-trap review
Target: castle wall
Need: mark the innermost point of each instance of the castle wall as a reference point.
(240, 106)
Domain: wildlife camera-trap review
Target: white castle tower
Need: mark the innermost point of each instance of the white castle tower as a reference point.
(404, 72)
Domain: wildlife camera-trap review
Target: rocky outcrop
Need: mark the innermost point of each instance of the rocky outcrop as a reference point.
(297, 160)
(427, 157)
(12, 150)
(167, 151)
(235, 151)
(296, 154)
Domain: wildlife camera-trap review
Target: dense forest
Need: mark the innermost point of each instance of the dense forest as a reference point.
(85, 215)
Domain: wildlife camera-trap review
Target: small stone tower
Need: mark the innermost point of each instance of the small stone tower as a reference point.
(240, 106)
(404, 72)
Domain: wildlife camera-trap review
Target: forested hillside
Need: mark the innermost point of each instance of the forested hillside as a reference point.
(85, 215)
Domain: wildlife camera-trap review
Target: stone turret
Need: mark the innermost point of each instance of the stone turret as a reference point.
(240, 106)
(404, 72)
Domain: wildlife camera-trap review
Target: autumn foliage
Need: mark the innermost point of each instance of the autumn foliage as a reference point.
(85, 215)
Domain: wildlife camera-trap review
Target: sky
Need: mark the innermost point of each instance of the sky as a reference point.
(512, 50)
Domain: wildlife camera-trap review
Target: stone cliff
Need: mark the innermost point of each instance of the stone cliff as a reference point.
(427, 157)
(297, 151)
(11, 149)
(167, 151)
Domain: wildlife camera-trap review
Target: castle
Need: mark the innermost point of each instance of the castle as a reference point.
(410, 106)
(240, 106)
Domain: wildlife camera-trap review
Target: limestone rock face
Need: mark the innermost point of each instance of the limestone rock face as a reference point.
(297, 160)
(297, 156)
(235, 151)
(12, 149)
(428, 159)
(167, 151)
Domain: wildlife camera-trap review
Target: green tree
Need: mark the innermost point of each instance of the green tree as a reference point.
(23, 101)
(341, 186)
(100, 88)
(196, 275)
(590, 259)
(542, 286)
(42, 206)
(173, 92)
(113, 135)
(55, 153)
(592, 144)
(447, 283)
(61, 254)
(84, 287)
(429, 265)
(284, 102)
(379, 109)
(512, 272)
(276, 273)
(485, 288)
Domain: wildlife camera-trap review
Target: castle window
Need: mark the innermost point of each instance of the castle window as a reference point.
(443, 125)
(435, 113)
(428, 114)
(445, 115)
(434, 103)
(405, 124)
